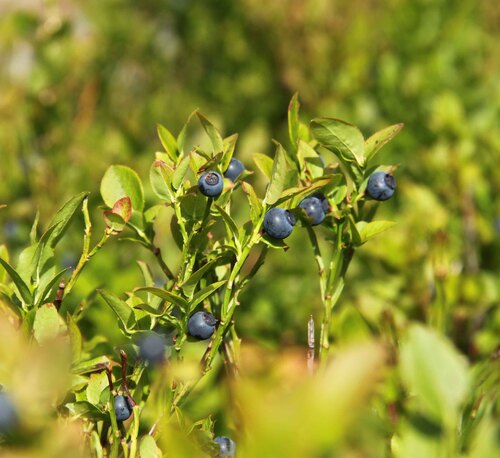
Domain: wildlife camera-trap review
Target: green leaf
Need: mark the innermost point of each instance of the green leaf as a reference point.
(75, 337)
(21, 287)
(342, 138)
(4, 254)
(189, 285)
(48, 324)
(97, 384)
(114, 221)
(91, 365)
(264, 164)
(146, 273)
(274, 243)
(370, 230)
(121, 181)
(297, 194)
(40, 297)
(43, 253)
(180, 172)
(355, 235)
(164, 294)
(434, 372)
(310, 160)
(160, 176)
(160, 310)
(231, 226)
(229, 147)
(278, 176)
(148, 448)
(181, 138)
(202, 294)
(168, 141)
(119, 215)
(123, 311)
(293, 121)
(34, 227)
(63, 218)
(212, 163)
(213, 133)
(254, 202)
(84, 408)
(381, 138)
(193, 206)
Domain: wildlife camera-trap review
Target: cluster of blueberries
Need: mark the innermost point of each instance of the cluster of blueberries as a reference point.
(279, 222)
(211, 183)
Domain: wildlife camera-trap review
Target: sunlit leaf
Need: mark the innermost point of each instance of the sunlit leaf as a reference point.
(168, 141)
(123, 311)
(340, 137)
(48, 324)
(213, 133)
(264, 164)
(121, 181)
(381, 138)
(21, 287)
(278, 176)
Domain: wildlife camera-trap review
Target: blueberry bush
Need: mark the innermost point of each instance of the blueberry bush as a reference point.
(335, 347)
(181, 380)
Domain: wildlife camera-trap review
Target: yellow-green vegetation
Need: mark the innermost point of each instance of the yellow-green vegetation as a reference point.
(105, 237)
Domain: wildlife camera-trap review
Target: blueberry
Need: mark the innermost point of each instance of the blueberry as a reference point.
(324, 202)
(234, 170)
(152, 348)
(314, 209)
(123, 409)
(381, 185)
(211, 184)
(227, 447)
(278, 223)
(201, 325)
(8, 414)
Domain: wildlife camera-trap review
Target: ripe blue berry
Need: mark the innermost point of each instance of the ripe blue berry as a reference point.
(201, 325)
(227, 447)
(152, 348)
(234, 170)
(8, 414)
(278, 223)
(324, 202)
(123, 409)
(381, 185)
(314, 210)
(211, 184)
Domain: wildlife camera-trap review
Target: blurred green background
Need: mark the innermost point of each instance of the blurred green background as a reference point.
(83, 84)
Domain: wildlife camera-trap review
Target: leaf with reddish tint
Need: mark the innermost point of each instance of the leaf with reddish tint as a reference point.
(123, 208)
(119, 215)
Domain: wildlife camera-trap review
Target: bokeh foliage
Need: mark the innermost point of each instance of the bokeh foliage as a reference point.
(85, 82)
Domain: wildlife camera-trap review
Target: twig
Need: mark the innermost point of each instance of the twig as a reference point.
(310, 345)
(123, 357)
(59, 295)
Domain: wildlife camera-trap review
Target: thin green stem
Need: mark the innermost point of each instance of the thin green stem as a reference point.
(332, 290)
(115, 445)
(190, 258)
(228, 306)
(134, 433)
(319, 261)
(86, 252)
